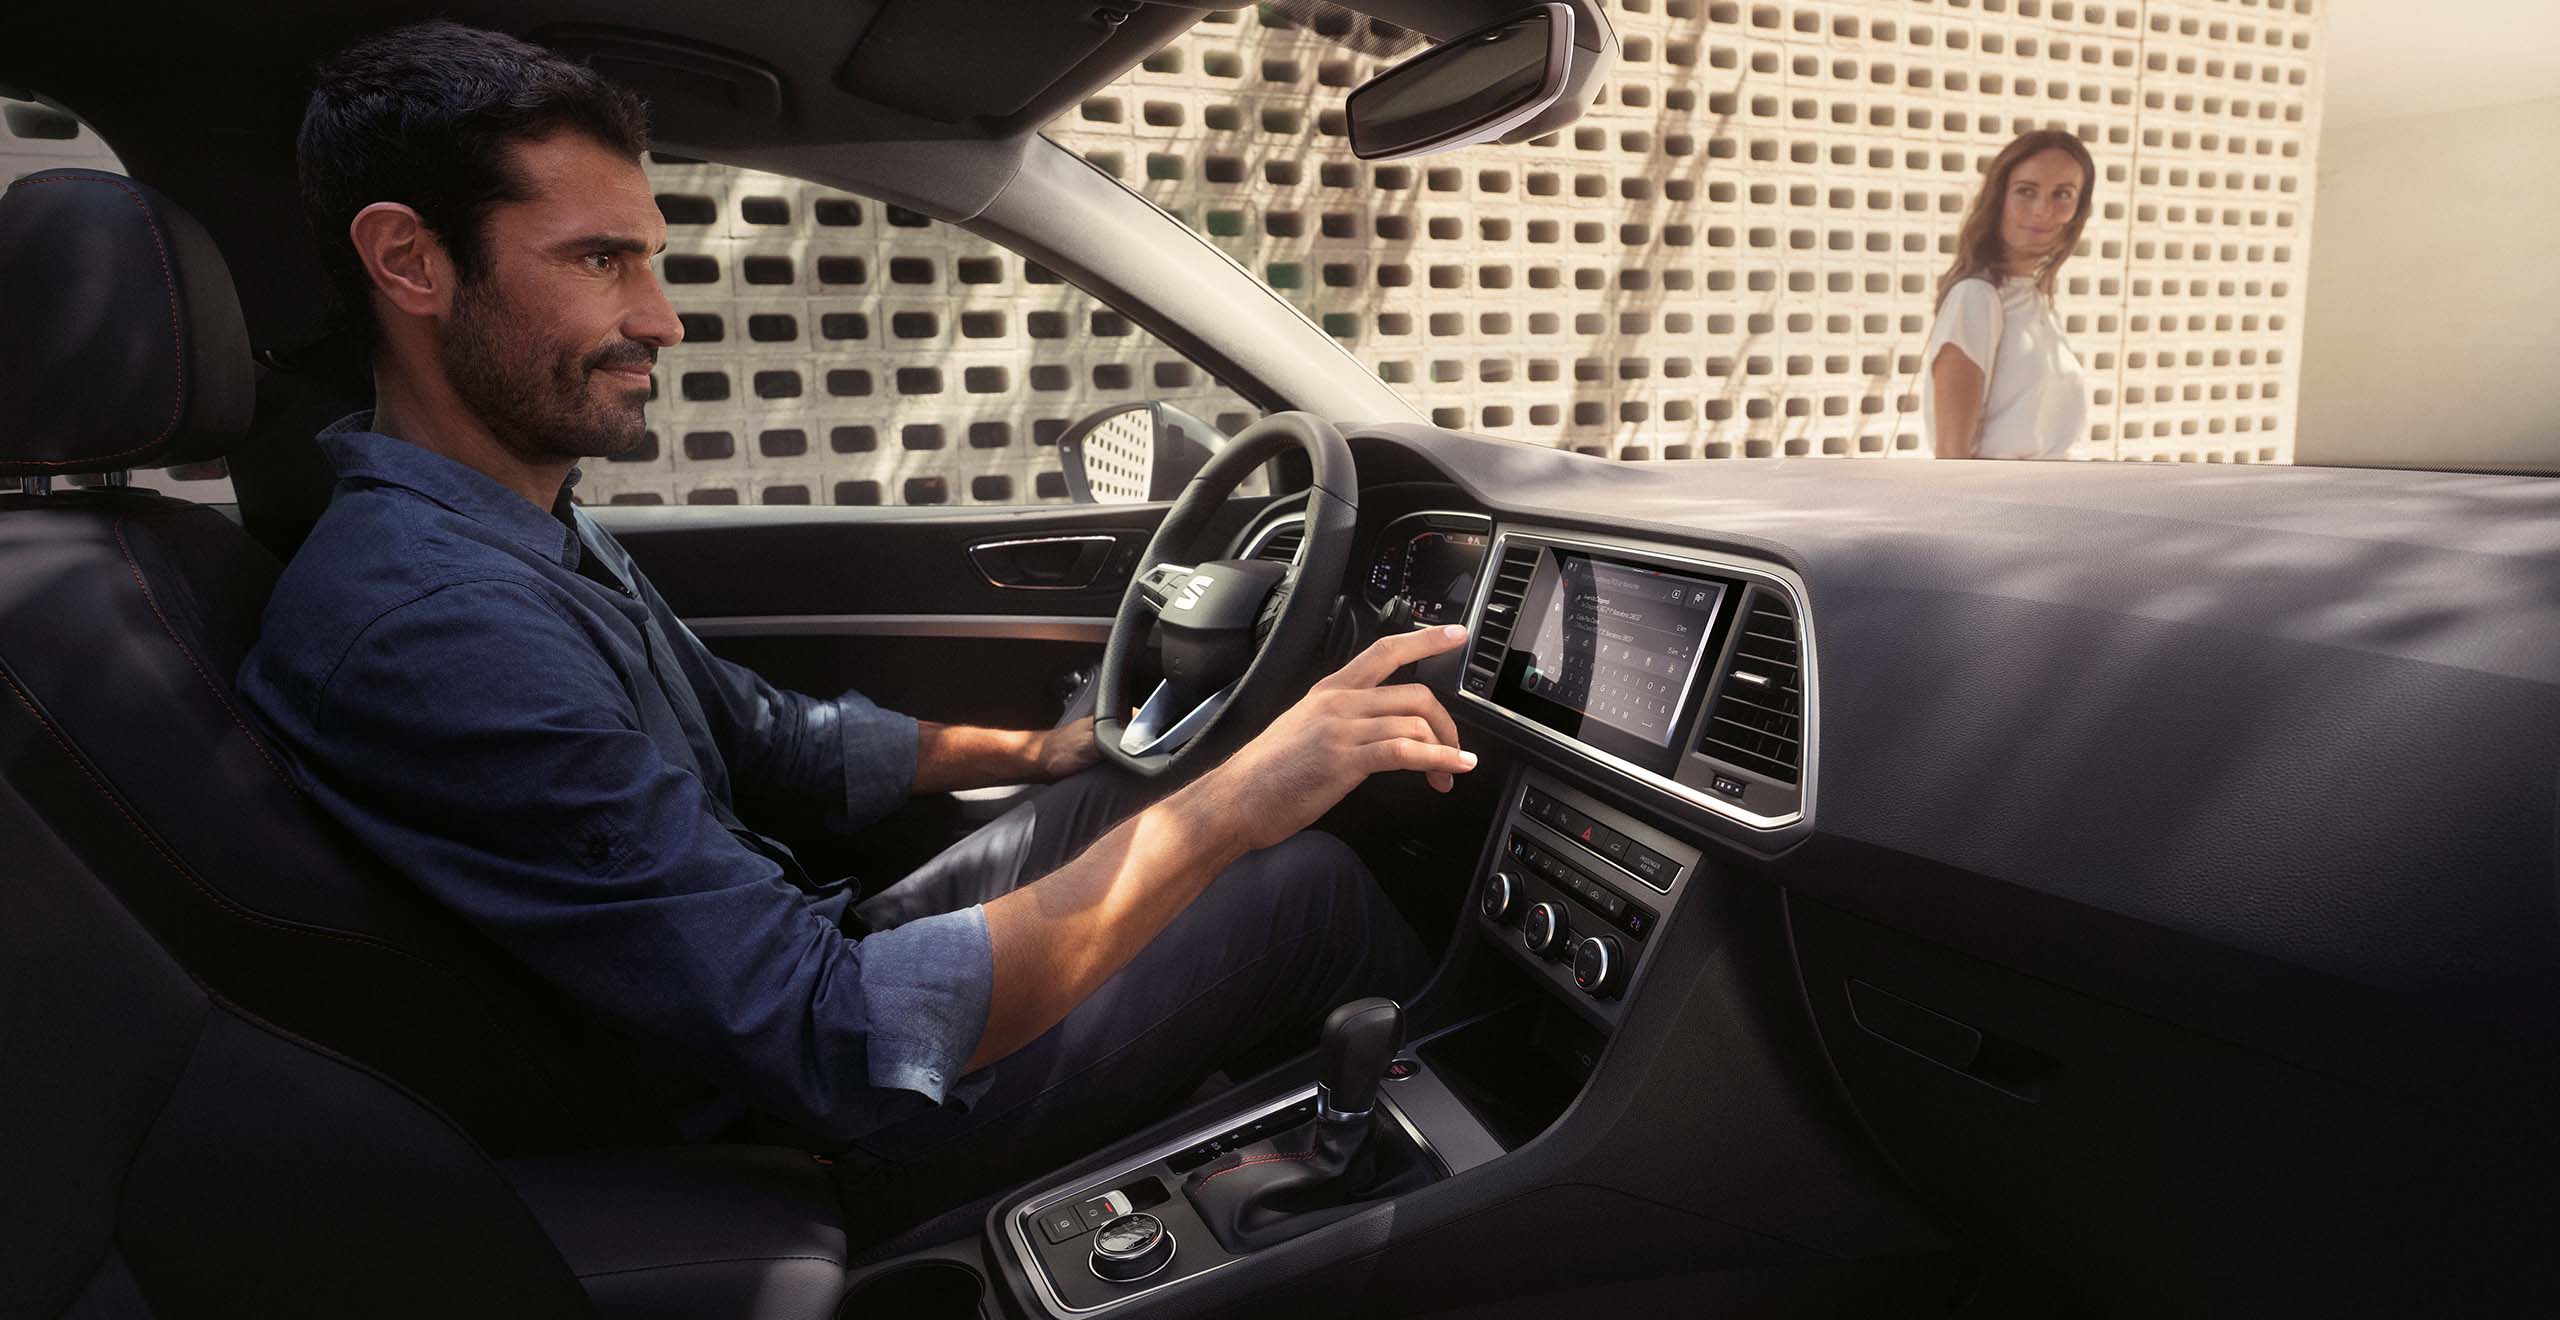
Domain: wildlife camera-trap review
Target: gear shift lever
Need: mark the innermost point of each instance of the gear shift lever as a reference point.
(1306, 1178)
(1360, 1038)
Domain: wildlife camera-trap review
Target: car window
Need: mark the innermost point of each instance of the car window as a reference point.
(842, 351)
(1737, 250)
(35, 136)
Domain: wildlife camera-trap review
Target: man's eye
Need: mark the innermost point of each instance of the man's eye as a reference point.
(601, 261)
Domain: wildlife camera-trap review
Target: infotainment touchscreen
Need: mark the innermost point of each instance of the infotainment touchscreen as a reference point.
(1612, 642)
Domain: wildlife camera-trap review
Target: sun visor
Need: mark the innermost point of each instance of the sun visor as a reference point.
(950, 63)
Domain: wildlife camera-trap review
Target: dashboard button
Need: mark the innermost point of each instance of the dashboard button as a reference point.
(1061, 1224)
(1103, 1209)
(1611, 844)
(1637, 921)
(1653, 866)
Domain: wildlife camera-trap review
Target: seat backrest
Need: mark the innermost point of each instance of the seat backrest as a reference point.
(124, 615)
(168, 1156)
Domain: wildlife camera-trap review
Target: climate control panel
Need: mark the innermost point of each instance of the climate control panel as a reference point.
(1577, 890)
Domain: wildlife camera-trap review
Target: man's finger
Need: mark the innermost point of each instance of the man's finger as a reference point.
(1413, 754)
(1385, 728)
(1402, 699)
(1391, 653)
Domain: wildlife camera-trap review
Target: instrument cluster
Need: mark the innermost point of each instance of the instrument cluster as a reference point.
(1433, 560)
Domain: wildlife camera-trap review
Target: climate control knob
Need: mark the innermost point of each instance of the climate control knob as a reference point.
(1596, 965)
(1499, 896)
(1542, 928)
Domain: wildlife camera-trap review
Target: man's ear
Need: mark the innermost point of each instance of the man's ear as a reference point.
(404, 259)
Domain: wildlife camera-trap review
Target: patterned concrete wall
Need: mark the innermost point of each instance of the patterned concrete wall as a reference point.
(1730, 255)
(838, 351)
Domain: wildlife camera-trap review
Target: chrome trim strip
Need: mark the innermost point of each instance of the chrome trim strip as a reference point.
(1016, 627)
(1767, 574)
(1262, 536)
(1038, 1270)
(1149, 731)
(1086, 538)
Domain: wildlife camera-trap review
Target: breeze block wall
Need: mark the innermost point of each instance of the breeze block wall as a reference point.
(1730, 255)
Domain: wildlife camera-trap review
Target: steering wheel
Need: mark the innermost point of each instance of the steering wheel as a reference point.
(1236, 633)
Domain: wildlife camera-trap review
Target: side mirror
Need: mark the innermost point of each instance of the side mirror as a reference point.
(1137, 453)
(1474, 88)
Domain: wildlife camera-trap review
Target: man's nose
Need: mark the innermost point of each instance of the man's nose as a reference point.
(655, 321)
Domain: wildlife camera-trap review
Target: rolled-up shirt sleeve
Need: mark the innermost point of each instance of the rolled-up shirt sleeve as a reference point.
(853, 759)
(475, 738)
(931, 977)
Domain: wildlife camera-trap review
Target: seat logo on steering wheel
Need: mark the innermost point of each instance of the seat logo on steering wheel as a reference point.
(1192, 591)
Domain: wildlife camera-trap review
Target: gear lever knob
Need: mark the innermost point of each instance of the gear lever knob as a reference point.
(1360, 1038)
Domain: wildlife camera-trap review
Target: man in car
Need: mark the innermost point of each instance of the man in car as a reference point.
(476, 679)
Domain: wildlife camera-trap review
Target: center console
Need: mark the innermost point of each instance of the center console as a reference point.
(1207, 1199)
(1577, 891)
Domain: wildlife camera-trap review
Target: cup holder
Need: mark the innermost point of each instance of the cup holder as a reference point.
(925, 1290)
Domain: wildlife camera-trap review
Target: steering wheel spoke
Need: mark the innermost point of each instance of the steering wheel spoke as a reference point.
(1159, 585)
(1170, 718)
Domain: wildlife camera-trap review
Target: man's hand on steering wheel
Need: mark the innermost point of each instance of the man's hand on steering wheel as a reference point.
(1066, 749)
(1345, 729)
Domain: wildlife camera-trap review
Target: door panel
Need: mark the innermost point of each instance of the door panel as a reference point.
(894, 604)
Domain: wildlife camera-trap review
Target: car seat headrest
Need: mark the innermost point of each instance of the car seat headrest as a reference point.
(122, 344)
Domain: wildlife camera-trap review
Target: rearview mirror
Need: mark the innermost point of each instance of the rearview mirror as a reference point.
(1472, 89)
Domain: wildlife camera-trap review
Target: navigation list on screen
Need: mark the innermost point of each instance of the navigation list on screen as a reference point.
(1615, 642)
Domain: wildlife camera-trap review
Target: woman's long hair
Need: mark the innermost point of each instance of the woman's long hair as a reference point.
(1978, 248)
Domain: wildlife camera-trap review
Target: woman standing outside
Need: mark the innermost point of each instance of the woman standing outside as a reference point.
(2001, 383)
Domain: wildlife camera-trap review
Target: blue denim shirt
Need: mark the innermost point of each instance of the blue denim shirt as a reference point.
(497, 702)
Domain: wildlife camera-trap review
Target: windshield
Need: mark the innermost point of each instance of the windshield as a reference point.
(1996, 229)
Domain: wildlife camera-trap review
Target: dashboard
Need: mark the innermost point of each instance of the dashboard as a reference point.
(2188, 832)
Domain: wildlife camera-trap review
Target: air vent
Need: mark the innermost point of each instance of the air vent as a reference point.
(1758, 715)
(1501, 610)
(1280, 543)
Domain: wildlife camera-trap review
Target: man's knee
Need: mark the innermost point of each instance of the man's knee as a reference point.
(1307, 882)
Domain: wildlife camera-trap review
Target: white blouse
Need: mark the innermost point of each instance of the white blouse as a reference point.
(2035, 398)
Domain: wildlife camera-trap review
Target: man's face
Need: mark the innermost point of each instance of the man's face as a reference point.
(553, 342)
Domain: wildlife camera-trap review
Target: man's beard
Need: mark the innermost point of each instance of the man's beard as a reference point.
(536, 397)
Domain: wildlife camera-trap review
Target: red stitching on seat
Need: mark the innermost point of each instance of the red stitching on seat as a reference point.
(219, 695)
(177, 327)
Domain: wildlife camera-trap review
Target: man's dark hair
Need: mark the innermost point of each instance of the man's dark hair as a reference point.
(427, 116)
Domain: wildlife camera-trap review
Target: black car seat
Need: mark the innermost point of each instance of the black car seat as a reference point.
(169, 1156)
(123, 617)
(197, 1142)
